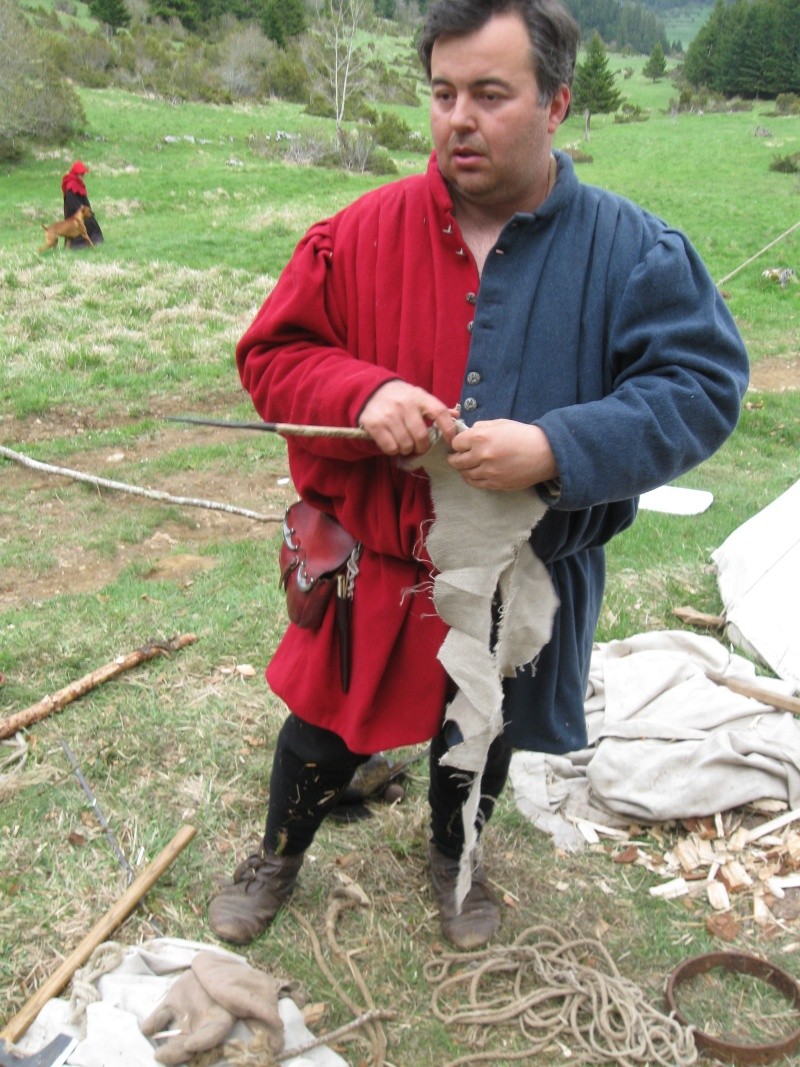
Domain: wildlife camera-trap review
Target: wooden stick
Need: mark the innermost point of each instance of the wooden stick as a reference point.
(285, 429)
(136, 490)
(758, 692)
(50, 704)
(375, 1015)
(777, 823)
(116, 914)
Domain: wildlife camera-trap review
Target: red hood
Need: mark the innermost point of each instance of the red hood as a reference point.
(73, 181)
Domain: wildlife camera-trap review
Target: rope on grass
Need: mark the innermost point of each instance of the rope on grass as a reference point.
(350, 895)
(747, 262)
(135, 490)
(560, 993)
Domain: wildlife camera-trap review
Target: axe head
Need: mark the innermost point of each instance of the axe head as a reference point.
(52, 1055)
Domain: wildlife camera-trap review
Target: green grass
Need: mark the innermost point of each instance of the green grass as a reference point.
(96, 349)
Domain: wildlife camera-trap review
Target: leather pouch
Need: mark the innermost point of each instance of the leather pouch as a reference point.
(314, 555)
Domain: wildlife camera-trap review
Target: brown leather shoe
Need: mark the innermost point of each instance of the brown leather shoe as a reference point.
(479, 918)
(261, 883)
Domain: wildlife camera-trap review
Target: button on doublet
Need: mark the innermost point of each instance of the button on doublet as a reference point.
(474, 378)
(470, 403)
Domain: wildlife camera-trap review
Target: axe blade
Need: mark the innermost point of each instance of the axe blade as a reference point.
(53, 1054)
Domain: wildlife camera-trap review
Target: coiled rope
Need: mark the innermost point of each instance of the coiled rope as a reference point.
(560, 993)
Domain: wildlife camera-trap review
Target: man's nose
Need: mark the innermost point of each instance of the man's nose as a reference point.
(462, 117)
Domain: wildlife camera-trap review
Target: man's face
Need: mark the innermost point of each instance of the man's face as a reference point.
(492, 138)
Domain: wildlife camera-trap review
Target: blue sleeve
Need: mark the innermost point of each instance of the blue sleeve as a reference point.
(678, 369)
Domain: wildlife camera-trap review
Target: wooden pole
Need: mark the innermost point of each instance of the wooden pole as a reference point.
(56, 701)
(758, 692)
(116, 914)
(136, 490)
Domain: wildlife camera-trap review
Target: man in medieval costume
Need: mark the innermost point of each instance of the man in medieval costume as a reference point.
(570, 351)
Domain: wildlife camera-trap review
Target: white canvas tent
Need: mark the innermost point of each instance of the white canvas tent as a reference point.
(758, 570)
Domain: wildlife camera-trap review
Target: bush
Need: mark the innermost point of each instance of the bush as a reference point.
(91, 63)
(786, 164)
(39, 104)
(392, 87)
(787, 104)
(320, 106)
(286, 77)
(391, 131)
(240, 58)
(10, 151)
(631, 113)
(577, 155)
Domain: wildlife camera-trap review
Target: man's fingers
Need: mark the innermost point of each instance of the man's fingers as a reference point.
(398, 417)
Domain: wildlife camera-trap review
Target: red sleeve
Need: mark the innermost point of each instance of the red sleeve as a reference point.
(293, 359)
(294, 363)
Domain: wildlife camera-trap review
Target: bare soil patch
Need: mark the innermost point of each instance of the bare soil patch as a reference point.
(174, 551)
(775, 375)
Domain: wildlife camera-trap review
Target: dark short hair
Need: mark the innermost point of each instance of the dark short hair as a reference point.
(553, 33)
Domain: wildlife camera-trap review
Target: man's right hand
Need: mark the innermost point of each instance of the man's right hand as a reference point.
(397, 417)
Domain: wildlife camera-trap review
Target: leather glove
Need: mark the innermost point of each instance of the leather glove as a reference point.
(243, 991)
(203, 1022)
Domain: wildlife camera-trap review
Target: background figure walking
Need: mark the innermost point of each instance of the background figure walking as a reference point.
(74, 190)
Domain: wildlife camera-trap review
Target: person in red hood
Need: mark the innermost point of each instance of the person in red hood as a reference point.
(74, 190)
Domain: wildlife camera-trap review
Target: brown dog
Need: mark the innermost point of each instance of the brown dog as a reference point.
(74, 226)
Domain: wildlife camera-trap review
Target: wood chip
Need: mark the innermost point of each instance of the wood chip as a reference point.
(586, 826)
(761, 912)
(773, 886)
(627, 855)
(723, 925)
(738, 840)
(676, 887)
(718, 896)
(786, 881)
(734, 875)
(687, 853)
(774, 824)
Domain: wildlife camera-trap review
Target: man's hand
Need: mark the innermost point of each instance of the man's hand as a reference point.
(502, 454)
(397, 417)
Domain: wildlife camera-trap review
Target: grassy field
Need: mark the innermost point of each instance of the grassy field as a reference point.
(95, 349)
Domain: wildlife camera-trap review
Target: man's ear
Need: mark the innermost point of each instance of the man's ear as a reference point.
(559, 108)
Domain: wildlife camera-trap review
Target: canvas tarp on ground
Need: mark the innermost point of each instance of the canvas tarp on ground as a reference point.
(758, 570)
(665, 741)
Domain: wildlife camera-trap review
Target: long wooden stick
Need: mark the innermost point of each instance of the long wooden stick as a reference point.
(116, 914)
(137, 490)
(55, 702)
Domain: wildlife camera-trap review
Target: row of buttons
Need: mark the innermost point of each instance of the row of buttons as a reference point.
(473, 377)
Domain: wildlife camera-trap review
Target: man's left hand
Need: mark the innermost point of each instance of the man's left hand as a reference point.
(503, 454)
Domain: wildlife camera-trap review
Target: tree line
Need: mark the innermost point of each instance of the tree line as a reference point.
(623, 27)
(748, 48)
(627, 25)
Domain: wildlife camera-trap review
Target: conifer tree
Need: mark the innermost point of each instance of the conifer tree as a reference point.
(656, 65)
(112, 13)
(593, 87)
